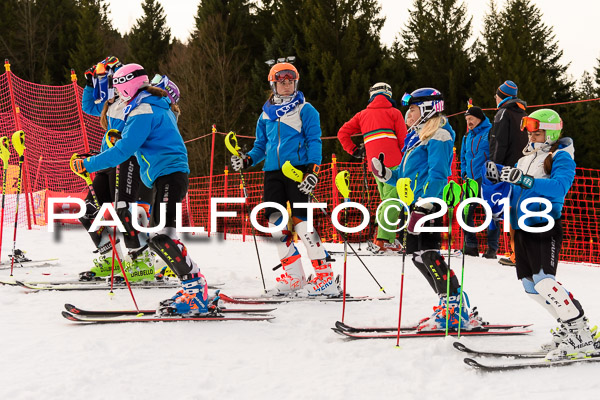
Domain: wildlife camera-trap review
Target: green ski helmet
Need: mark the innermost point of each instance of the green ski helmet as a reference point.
(546, 119)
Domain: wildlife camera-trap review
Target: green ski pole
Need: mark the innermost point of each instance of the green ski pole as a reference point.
(451, 198)
(470, 190)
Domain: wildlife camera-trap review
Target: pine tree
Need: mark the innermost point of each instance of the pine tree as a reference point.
(435, 40)
(338, 52)
(520, 47)
(150, 38)
(214, 75)
(90, 42)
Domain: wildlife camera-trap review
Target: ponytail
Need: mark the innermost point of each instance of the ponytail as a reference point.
(103, 120)
(550, 159)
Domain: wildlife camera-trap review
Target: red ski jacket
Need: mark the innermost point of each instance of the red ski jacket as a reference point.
(383, 130)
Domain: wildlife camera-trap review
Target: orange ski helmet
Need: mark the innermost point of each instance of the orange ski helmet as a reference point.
(281, 72)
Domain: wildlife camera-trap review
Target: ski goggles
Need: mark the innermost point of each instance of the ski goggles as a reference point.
(286, 74)
(532, 125)
(407, 99)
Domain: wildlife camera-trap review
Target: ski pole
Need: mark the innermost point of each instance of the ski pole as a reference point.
(451, 198)
(470, 189)
(88, 180)
(341, 182)
(406, 195)
(18, 141)
(4, 155)
(232, 145)
(296, 175)
(365, 193)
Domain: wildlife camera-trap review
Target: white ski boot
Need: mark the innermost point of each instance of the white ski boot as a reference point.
(323, 284)
(578, 342)
(292, 280)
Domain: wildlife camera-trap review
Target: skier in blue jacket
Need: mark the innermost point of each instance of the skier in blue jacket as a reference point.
(427, 161)
(475, 151)
(289, 129)
(545, 172)
(151, 134)
(99, 99)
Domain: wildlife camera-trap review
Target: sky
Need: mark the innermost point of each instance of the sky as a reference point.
(575, 24)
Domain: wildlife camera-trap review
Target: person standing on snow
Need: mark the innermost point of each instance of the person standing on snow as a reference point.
(474, 153)
(289, 129)
(151, 133)
(99, 99)
(507, 141)
(428, 153)
(546, 171)
(384, 131)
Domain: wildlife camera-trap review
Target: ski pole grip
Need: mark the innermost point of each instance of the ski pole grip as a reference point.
(4, 152)
(232, 144)
(405, 192)
(85, 176)
(341, 182)
(18, 141)
(291, 172)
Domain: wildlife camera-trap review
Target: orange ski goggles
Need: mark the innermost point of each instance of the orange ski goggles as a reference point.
(533, 125)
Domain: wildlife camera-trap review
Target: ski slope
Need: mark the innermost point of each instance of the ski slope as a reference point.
(296, 356)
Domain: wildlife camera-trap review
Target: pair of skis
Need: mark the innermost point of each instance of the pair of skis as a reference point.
(373, 332)
(80, 315)
(76, 314)
(535, 359)
(519, 359)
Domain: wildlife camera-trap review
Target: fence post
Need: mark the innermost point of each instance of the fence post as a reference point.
(212, 161)
(86, 144)
(334, 196)
(225, 195)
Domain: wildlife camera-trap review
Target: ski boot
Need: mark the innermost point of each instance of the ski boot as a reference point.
(191, 301)
(103, 264)
(293, 278)
(558, 335)
(323, 284)
(437, 321)
(577, 343)
(382, 246)
(19, 256)
(140, 268)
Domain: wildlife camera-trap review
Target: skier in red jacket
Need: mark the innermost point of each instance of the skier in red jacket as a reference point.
(383, 129)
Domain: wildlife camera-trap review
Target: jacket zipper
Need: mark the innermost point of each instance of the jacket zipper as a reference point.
(278, 141)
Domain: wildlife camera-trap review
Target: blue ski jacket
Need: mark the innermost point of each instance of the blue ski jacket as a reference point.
(475, 150)
(151, 134)
(295, 137)
(428, 163)
(114, 115)
(553, 187)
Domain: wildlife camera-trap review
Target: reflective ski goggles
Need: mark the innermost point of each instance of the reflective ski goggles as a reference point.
(532, 125)
(286, 74)
(408, 99)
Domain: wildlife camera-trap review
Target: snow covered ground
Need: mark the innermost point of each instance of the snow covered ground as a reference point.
(296, 356)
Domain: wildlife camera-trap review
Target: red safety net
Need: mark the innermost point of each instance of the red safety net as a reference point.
(55, 128)
(581, 212)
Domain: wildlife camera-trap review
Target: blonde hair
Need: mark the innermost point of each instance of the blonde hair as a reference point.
(431, 127)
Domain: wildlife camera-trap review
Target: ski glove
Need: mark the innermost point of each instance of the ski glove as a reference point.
(491, 172)
(516, 177)
(379, 169)
(89, 76)
(77, 165)
(359, 151)
(310, 180)
(418, 213)
(240, 162)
